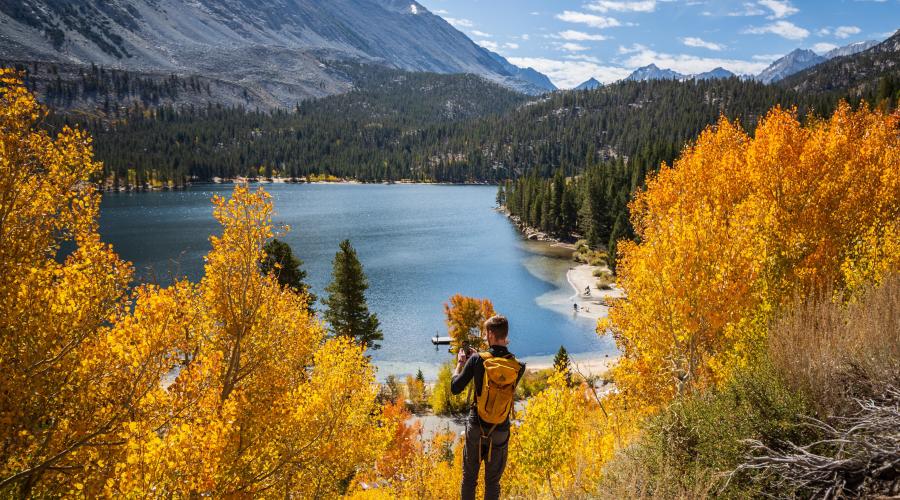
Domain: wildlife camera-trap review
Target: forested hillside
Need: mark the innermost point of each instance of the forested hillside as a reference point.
(108, 93)
(429, 127)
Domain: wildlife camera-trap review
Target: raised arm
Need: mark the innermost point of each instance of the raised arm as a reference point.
(463, 374)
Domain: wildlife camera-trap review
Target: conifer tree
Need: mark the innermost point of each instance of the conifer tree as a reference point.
(562, 364)
(281, 261)
(347, 311)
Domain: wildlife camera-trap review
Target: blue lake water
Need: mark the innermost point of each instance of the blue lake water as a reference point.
(419, 244)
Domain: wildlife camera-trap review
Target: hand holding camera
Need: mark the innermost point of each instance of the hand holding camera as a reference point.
(464, 353)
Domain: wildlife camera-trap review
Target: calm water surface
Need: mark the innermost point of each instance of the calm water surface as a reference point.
(419, 245)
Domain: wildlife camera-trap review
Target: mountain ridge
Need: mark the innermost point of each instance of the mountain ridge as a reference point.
(281, 50)
(589, 84)
(858, 73)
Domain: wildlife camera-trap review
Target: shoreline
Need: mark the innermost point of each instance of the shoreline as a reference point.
(109, 187)
(596, 305)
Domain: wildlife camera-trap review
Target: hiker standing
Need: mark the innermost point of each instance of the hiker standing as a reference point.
(495, 372)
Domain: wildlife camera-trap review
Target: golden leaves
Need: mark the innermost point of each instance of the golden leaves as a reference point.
(226, 387)
(738, 226)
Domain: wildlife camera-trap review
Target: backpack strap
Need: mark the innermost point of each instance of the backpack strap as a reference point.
(490, 442)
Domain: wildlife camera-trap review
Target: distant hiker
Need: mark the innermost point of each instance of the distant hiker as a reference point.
(496, 373)
(575, 307)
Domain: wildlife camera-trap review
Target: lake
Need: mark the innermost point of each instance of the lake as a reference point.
(419, 244)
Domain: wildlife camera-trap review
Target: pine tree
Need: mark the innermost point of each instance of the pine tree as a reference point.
(420, 376)
(348, 313)
(562, 364)
(281, 262)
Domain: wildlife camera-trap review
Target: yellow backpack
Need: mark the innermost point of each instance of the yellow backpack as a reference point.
(498, 392)
(498, 388)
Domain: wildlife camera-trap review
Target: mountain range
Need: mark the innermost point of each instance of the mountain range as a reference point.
(783, 67)
(857, 72)
(281, 51)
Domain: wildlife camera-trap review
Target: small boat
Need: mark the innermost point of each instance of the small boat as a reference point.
(440, 340)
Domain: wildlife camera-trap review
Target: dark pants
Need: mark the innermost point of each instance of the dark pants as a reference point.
(493, 469)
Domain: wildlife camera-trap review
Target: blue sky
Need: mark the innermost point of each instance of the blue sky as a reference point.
(573, 40)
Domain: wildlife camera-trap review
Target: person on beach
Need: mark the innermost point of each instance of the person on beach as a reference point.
(495, 373)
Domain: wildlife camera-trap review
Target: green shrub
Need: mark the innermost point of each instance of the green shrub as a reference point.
(598, 259)
(699, 439)
(533, 382)
(443, 402)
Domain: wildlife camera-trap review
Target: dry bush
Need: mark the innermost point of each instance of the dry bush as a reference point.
(858, 455)
(835, 351)
(628, 476)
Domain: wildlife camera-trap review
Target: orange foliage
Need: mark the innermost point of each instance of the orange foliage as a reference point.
(739, 225)
(465, 321)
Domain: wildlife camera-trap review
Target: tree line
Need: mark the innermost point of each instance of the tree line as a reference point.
(426, 127)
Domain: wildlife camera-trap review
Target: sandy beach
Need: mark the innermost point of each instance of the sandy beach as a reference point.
(585, 363)
(592, 306)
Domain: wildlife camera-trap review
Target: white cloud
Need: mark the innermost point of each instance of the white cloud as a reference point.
(482, 34)
(440, 12)
(580, 36)
(571, 73)
(767, 58)
(489, 44)
(823, 47)
(572, 47)
(846, 31)
(582, 57)
(588, 19)
(634, 48)
(459, 23)
(497, 47)
(779, 8)
(618, 6)
(525, 37)
(699, 42)
(748, 9)
(785, 29)
(639, 55)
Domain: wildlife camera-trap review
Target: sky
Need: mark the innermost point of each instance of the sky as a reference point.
(571, 41)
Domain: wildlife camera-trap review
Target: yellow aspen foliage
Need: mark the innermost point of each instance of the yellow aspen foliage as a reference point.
(226, 387)
(262, 404)
(465, 321)
(558, 449)
(66, 387)
(736, 228)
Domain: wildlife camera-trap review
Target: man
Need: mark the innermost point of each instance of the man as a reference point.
(487, 440)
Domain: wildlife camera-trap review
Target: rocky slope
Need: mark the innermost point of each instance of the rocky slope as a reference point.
(800, 59)
(795, 61)
(857, 73)
(589, 84)
(653, 72)
(714, 74)
(281, 51)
